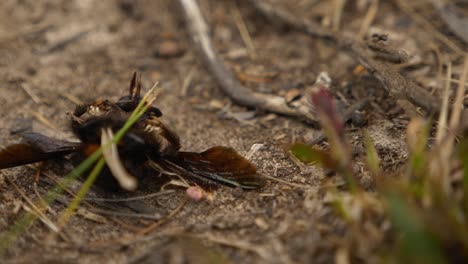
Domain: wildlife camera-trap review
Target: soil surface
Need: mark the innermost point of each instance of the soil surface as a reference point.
(54, 54)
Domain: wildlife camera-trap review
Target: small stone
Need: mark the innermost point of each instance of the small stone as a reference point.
(195, 193)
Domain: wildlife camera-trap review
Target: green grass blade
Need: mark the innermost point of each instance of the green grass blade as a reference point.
(417, 245)
(82, 192)
(373, 160)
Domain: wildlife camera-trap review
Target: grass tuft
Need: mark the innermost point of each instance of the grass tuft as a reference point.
(426, 204)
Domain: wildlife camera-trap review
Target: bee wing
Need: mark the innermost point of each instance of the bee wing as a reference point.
(36, 147)
(218, 164)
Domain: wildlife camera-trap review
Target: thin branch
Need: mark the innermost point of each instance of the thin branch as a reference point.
(397, 85)
(240, 94)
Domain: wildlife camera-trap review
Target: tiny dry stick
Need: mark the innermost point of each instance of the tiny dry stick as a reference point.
(34, 209)
(369, 18)
(291, 184)
(122, 214)
(240, 94)
(235, 243)
(397, 85)
(156, 224)
(133, 198)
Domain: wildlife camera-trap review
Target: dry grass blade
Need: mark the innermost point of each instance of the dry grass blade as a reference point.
(153, 226)
(123, 214)
(39, 196)
(369, 18)
(455, 81)
(448, 142)
(133, 198)
(147, 100)
(442, 126)
(243, 30)
(92, 209)
(65, 188)
(34, 208)
(41, 217)
(458, 104)
(71, 97)
(295, 185)
(236, 243)
(187, 82)
(111, 154)
(31, 94)
(338, 6)
(44, 120)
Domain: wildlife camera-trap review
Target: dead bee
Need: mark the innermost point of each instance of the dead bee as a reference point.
(149, 148)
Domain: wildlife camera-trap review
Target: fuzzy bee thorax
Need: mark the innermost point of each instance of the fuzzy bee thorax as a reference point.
(160, 136)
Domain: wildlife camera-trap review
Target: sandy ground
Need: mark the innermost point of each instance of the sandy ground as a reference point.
(54, 52)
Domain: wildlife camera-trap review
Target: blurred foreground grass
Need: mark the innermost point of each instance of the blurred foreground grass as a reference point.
(426, 204)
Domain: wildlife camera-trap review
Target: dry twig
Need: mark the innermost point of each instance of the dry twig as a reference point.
(228, 83)
(397, 85)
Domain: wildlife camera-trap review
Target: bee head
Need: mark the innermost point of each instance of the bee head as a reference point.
(100, 108)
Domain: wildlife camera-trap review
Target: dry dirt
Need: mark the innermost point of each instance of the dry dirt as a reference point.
(52, 52)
